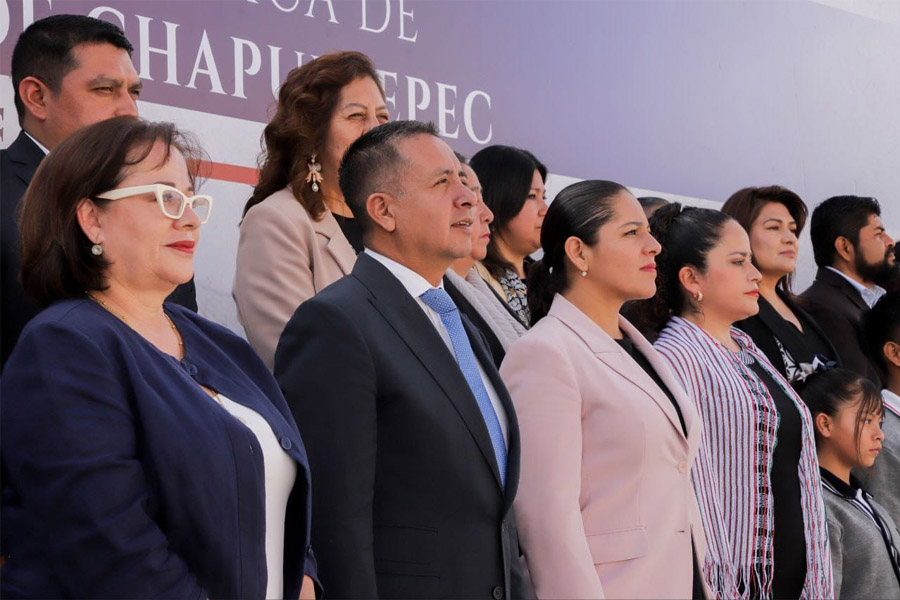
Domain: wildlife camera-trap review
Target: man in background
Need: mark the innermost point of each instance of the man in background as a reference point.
(853, 252)
(68, 71)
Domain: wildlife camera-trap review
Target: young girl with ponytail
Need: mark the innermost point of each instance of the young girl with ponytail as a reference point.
(756, 475)
(865, 547)
(605, 506)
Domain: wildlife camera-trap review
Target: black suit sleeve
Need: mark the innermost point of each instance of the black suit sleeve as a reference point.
(324, 367)
(844, 336)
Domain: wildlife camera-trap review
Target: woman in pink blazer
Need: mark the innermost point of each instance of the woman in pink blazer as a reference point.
(605, 504)
(298, 235)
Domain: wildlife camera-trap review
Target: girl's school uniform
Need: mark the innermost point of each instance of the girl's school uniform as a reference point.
(864, 541)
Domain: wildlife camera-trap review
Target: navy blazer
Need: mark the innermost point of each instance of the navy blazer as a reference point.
(408, 499)
(122, 478)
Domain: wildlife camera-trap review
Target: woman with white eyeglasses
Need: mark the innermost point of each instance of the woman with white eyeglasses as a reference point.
(145, 450)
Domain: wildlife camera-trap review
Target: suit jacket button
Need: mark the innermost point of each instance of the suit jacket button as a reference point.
(682, 467)
(286, 443)
(497, 593)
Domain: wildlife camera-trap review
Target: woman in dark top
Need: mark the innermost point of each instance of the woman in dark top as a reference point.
(773, 218)
(756, 475)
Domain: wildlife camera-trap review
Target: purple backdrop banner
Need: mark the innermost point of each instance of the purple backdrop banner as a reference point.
(694, 98)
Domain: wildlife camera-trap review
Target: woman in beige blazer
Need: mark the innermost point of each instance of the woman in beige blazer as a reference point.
(298, 235)
(605, 506)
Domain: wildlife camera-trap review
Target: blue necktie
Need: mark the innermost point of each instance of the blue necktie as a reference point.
(440, 301)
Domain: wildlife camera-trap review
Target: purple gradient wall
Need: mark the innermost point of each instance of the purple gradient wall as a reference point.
(695, 98)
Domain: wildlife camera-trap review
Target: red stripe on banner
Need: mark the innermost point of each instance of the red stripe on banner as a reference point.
(230, 173)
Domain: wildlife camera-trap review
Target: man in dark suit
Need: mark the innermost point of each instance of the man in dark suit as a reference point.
(412, 438)
(853, 251)
(68, 71)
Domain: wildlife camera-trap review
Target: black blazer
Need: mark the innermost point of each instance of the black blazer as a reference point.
(408, 501)
(838, 308)
(18, 164)
(767, 326)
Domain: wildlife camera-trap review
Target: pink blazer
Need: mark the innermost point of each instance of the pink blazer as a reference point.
(284, 257)
(605, 506)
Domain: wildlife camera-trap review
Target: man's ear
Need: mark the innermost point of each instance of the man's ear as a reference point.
(844, 249)
(381, 206)
(891, 352)
(88, 216)
(34, 94)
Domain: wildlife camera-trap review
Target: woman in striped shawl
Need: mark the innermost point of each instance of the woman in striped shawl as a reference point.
(756, 475)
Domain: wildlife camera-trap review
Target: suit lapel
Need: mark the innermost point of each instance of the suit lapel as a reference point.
(785, 331)
(405, 316)
(338, 246)
(625, 366)
(26, 156)
(688, 410)
(614, 356)
(810, 323)
(843, 286)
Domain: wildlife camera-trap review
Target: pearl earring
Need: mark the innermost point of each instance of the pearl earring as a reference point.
(699, 296)
(584, 273)
(315, 173)
(96, 249)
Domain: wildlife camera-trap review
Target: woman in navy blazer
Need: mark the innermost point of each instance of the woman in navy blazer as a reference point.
(146, 451)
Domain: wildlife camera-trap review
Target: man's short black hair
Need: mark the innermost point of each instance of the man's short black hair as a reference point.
(839, 216)
(44, 50)
(881, 325)
(374, 164)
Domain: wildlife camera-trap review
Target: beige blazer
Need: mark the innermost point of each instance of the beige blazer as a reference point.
(605, 506)
(284, 257)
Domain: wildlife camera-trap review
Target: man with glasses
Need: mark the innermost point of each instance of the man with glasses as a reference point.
(68, 71)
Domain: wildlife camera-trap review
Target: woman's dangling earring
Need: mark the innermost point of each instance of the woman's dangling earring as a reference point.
(315, 173)
(96, 249)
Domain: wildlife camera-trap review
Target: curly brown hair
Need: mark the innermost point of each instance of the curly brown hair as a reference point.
(306, 101)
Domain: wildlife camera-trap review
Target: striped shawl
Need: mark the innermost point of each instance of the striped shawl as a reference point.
(731, 472)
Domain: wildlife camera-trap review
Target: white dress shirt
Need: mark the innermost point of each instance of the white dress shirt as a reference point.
(416, 285)
(869, 295)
